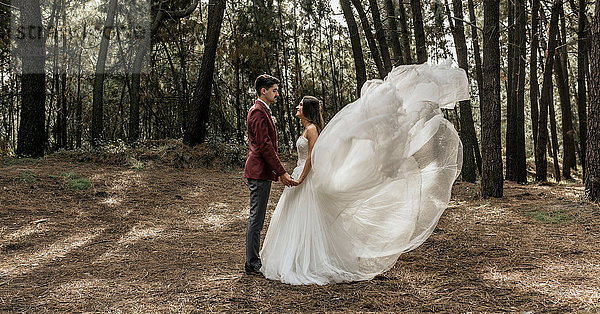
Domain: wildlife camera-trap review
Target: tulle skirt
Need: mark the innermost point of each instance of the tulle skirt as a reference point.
(382, 174)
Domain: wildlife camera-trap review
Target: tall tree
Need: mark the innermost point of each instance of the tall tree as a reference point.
(359, 61)
(32, 135)
(516, 168)
(592, 168)
(380, 34)
(142, 51)
(582, 67)
(419, 30)
(476, 52)
(478, 70)
(467, 131)
(404, 33)
(390, 11)
(554, 138)
(98, 98)
(491, 169)
(562, 80)
(199, 109)
(546, 99)
(521, 156)
(364, 21)
(78, 100)
(533, 68)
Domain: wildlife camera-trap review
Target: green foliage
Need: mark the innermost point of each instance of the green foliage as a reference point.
(19, 161)
(28, 176)
(80, 184)
(5, 149)
(551, 216)
(133, 163)
(71, 175)
(75, 180)
(173, 153)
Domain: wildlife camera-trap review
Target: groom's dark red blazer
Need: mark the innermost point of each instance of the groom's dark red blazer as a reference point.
(263, 162)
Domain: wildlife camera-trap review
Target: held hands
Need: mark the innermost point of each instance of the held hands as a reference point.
(287, 180)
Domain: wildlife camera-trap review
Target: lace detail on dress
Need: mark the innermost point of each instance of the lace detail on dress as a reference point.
(302, 148)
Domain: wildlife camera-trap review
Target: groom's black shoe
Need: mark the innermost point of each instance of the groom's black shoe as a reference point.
(252, 271)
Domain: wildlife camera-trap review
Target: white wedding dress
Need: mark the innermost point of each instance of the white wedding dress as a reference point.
(382, 173)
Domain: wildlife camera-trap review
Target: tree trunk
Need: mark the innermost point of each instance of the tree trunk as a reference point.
(298, 90)
(364, 21)
(134, 95)
(64, 110)
(405, 34)
(79, 102)
(380, 33)
(511, 95)
(98, 103)
(581, 79)
(546, 100)
(146, 42)
(516, 167)
(280, 109)
(533, 66)
(394, 35)
(478, 71)
(562, 77)
(199, 108)
(53, 129)
(567, 124)
(334, 80)
(554, 138)
(467, 131)
(419, 31)
(592, 168)
(491, 174)
(359, 61)
(286, 90)
(521, 155)
(32, 135)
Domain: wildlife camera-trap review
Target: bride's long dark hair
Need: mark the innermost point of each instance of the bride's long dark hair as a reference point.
(312, 109)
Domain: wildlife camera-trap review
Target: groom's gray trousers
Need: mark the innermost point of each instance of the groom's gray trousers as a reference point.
(259, 196)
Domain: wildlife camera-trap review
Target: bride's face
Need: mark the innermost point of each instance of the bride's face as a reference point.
(299, 113)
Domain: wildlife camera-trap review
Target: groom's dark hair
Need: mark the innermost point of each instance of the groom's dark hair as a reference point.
(264, 81)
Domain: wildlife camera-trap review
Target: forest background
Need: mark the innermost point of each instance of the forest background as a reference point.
(117, 75)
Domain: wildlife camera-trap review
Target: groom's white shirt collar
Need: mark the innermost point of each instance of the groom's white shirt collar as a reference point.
(269, 108)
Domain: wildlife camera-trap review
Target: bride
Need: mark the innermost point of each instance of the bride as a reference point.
(373, 183)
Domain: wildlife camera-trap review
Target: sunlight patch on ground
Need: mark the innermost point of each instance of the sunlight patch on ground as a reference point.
(489, 213)
(574, 192)
(125, 180)
(129, 296)
(24, 263)
(139, 232)
(214, 221)
(197, 193)
(216, 216)
(79, 289)
(24, 231)
(217, 206)
(111, 201)
(564, 280)
(122, 295)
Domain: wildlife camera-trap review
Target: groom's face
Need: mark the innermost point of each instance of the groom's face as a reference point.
(271, 94)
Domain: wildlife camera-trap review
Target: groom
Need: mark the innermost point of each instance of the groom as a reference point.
(262, 166)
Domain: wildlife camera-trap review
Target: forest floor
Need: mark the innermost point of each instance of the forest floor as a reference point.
(165, 239)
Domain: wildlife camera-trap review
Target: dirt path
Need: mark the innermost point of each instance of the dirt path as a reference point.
(165, 239)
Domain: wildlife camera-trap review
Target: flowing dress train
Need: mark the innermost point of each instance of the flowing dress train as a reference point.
(382, 173)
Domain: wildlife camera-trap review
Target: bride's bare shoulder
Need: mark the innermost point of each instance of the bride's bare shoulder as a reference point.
(311, 132)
